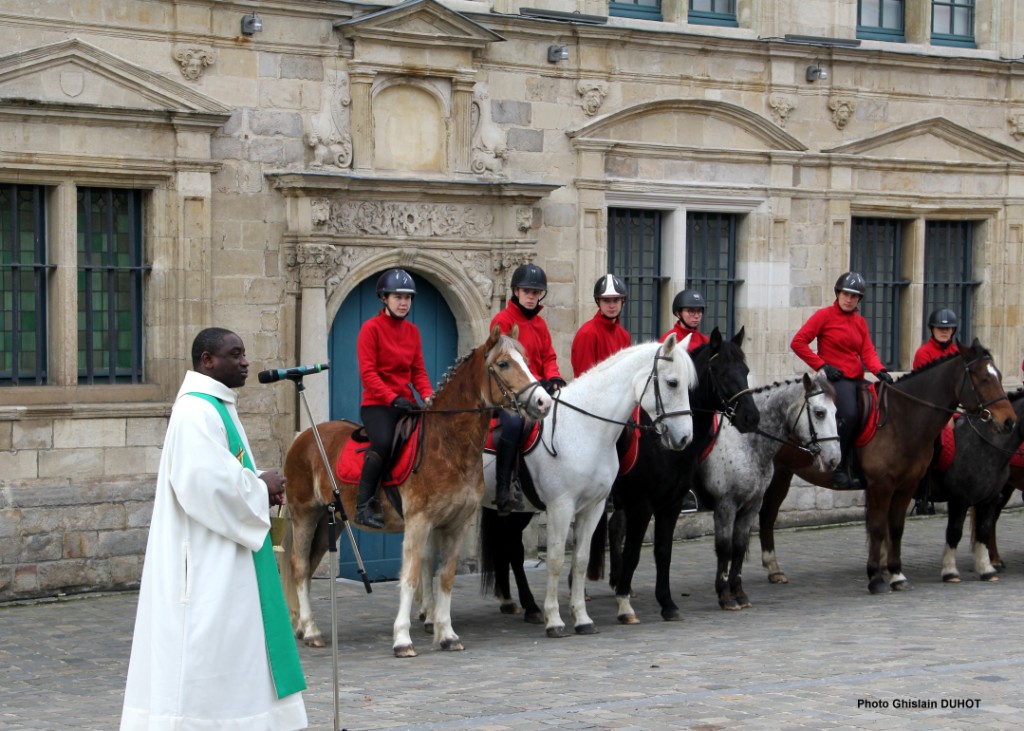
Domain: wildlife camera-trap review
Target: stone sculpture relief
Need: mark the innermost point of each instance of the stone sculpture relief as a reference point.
(328, 131)
(375, 218)
(524, 218)
(489, 149)
(193, 61)
(593, 93)
(781, 107)
(1016, 124)
(842, 111)
(476, 265)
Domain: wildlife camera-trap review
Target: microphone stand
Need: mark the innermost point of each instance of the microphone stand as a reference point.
(334, 509)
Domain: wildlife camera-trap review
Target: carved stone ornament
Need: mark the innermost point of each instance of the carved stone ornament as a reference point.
(475, 265)
(524, 218)
(503, 262)
(319, 211)
(842, 111)
(424, 220)
(314, 262)
(781, 106)
(489, 149)
(193, 61)
(328, 134)
(1016, 124)
(593, 93)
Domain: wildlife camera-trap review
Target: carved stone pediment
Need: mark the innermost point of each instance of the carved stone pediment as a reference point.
(932, 140)
(76, 74)
(418, 23)
(690, 123)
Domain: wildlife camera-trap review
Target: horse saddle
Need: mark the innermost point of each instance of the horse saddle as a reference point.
(870, 413)
(405, 453)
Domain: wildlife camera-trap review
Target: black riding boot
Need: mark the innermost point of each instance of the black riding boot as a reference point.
(368, 511)
(843, 478)
(506, 498)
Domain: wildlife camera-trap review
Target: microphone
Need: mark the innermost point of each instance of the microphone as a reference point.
(274, 375)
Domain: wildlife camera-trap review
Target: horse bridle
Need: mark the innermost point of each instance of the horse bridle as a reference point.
(728, 404)
(981, 412)
(811, 447)
(512, 398)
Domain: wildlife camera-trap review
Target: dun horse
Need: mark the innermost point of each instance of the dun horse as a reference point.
(574, 467)
(662, 477)
(976, 477)
(913, 412)
(439, 499)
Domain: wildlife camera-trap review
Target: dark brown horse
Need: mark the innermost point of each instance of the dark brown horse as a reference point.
(914, 410)
(439, 499)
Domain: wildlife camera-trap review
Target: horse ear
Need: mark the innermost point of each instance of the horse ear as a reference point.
(495, 335)
(737, 339)
(808, 383)
(716, 339)
(685, 342)
(670, 343)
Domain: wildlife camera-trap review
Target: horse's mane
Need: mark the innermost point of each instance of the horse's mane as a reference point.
(819, 379)
(454, 367)
(933, 363)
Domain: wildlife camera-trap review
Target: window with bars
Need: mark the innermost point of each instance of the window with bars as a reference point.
(711, 267)
(713, 12)
(953, 23)
(634, 255)
(110, 278)
(948, 272)
(645, 9)
(882, 20)
(876, 251)
(23, 285)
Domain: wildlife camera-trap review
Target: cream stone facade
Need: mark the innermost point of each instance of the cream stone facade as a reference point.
(279, 170)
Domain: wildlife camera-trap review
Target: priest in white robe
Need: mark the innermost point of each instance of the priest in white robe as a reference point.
(202, 656)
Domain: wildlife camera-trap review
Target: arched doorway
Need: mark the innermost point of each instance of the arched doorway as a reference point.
(381, 552)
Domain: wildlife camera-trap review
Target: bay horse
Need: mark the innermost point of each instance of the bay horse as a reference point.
(662, 477)
(912, 413)
(576, 463)
(797, 417)
(976, 478)
(439, 498)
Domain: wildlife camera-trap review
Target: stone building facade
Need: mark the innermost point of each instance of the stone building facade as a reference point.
(259, 162)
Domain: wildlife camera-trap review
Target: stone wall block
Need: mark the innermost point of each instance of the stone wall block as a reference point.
(506, 111)
(125, 571)
(122, 543)
(33, 434)
(287, 124)
(78, 433)
(64, 462)
(6, 436)
(146, 432)
(526, 140)
(80, 544)
(26, 580)
(310, 68)
(42, 547)
(559, 214)
(100, 517)
(19, 465)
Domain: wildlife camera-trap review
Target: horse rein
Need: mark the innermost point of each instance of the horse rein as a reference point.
(811, 447)
(981, 412)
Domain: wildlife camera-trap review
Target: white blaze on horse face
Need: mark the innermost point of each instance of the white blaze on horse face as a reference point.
(822, 412)
(535, 400)
(676, 376)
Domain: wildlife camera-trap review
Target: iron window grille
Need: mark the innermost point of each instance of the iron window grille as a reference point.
(634, 255)
(948, 272)
(882, 20)
(711, 267)
(876, 251)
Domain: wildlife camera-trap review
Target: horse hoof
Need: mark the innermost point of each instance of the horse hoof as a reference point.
(510, 609)
(777, 577)
(405, 651)
(454, 645)
(999, 566)
(730, 605)
(903, 585)
(878, 586)
(951, 578)
(534, 617)
(991, 576)
(628, 619)
(744, 603)
(670, 615)
(556, 633)
(314, 641)
(428, 628)
(586, 629)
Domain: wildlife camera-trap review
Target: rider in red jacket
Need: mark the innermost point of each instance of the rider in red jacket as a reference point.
(688, 307)
(844, 351)
(529, 286)
(390, 357)
(602, 335)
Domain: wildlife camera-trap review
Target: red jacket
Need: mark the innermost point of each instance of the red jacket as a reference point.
(696, 340)
(535, 338)
(598, 338)
(390, 356)
(932, 350)
(843, 342)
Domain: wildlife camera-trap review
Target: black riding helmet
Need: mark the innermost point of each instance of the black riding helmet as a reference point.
(688, 299)
(851, 282)
(943, 318)
(610, 286)
(529, 276)
(395, 281)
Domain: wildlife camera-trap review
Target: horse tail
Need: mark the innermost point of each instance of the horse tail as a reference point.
(598, 543)
(490, 544)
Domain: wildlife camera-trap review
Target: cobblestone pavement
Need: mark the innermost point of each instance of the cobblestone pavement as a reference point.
(818, 653)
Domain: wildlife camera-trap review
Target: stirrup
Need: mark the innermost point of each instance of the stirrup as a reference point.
(369, 516)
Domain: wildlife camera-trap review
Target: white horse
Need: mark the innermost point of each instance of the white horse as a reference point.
(798, 417)
(575, 465)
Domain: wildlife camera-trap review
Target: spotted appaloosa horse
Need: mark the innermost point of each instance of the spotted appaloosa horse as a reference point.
(914, 410)
(574, 467)
(439, 499)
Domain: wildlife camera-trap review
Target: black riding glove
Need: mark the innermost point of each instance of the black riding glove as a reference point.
(832, 373)
(883, 375)
(402, 403)
(552, 385)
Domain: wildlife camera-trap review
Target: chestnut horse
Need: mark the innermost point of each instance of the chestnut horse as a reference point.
(439, 499)
(913, 412)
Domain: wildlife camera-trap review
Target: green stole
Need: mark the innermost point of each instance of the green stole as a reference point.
(277, 626)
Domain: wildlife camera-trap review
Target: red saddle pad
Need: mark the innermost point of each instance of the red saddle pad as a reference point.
(528, 445)
(629, 458)
(350, 461)
(715, 426)
(870, 420)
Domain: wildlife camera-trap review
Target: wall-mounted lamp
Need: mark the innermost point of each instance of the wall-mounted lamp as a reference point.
(251, 24)
(558, 53)
(817, 73)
